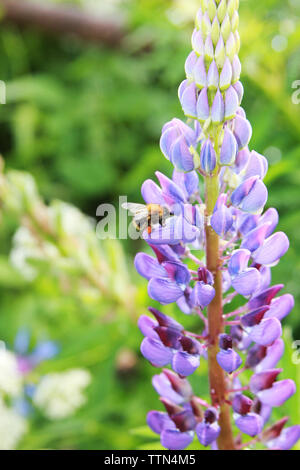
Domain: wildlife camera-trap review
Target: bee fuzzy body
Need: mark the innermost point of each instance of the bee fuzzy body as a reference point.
(145, 217)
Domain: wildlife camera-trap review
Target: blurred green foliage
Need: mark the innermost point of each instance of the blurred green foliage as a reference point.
(85, 121)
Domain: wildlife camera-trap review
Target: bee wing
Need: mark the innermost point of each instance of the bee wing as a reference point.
(138, 210)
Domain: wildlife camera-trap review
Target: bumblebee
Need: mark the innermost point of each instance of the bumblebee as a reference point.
(145, 217)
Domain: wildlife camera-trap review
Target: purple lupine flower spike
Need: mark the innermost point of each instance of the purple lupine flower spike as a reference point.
(216, 244)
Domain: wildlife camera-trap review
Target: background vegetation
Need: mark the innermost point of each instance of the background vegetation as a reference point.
(85, 120)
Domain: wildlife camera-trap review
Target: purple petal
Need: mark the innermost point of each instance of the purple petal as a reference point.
(171, 192)
(189, 101)
(188, 182)
(236, 68)
(240, 90)
(255, 355)
(158, 421)
(266, 332)
(197, 42)
(184, 420)
(231, 103)
(156, 352)
(273, 356)
(148, 267)
(266, 278)
(190, 64)
(242, 131)
(222, 220)
(255, 238)
(203, 106)
(270, 216)
(165, 253)
(254, 317)
(184, 363)
(228, 149)
(243, 190)
(255, 201)
(184, 304)
(218, 108)
(200, 75)
(176, 230)
(164, 291)
(238, 261)
(226, 75)
(246, 283)
(273, 249)
(287, 439)
(173, 439)
(170, 337)
(202, 294)
(168, 137)
(229, 360)
(242, 404)
(179, 385)
(265, 297)
(152, 194)
(246, 222)
(251, 424)
(164, 388)
(208, 157)
(164, 320)
(250, 196)
(181, 156)
(278, 393)
(257, 166)
(207, 433)
(182, 87)
(213, 76)
(263, 380)
(281, 307)
(177, 272)
(146, 326)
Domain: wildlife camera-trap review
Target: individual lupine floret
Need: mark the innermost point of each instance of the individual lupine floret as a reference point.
(166, 344)
(208, 430)
(286, 440)
(169, 385)
(246, 420)
(178, 144)
(269, 392)
(227, 358)
(163, 424)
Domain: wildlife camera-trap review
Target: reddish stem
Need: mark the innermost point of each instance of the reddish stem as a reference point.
(218, 389)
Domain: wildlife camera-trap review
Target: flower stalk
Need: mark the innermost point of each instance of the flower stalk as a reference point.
(240, 248)
(217, 381)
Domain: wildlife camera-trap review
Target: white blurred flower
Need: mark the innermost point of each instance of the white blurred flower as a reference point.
(26, 248)
(10, 377)
(59, 395)
(12, 427)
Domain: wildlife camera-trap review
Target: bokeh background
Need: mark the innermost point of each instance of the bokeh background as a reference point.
(81, 126)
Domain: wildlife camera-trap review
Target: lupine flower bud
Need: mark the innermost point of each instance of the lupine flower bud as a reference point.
(208, 157)
(227, 358)
(228, 148)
